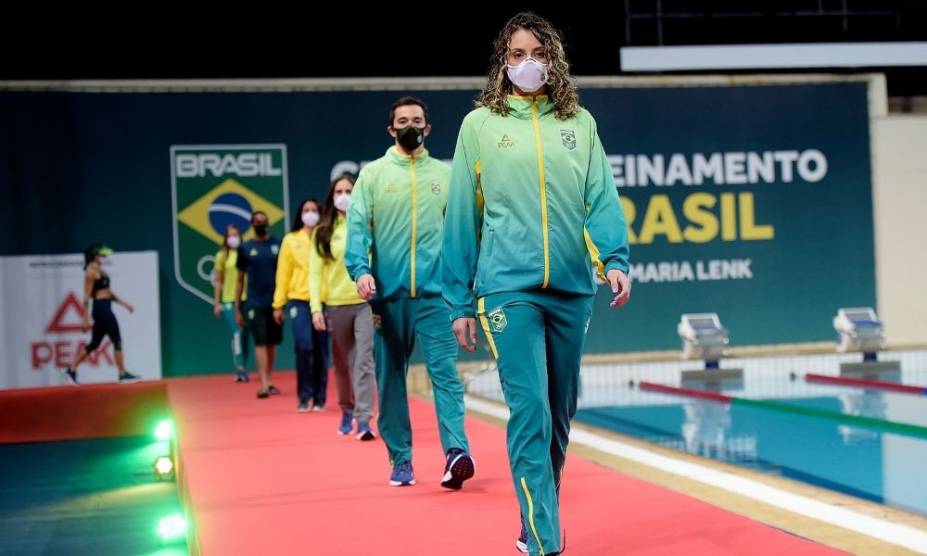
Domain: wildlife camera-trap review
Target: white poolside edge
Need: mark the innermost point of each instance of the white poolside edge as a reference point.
(886, 531)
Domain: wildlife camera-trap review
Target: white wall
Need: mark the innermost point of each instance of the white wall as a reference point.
(899, 161)
(40, 333)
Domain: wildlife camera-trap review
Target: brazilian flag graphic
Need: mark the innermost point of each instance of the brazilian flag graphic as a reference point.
(216, 186)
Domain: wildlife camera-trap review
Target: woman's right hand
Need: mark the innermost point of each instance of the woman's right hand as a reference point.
(240, 319)
(465, 332)
(217, 310)
(87, 325)
(318, 321)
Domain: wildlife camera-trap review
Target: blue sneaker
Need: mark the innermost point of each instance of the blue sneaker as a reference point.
(346, 418)
(364, 432)
(459, 468)
(402, 475)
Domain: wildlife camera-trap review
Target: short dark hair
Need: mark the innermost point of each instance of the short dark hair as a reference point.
(407, 101)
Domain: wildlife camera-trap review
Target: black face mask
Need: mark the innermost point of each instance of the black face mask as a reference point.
(260, 230)
(410, 137)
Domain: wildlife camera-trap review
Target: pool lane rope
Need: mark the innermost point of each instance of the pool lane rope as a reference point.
(867, 384)
(855, 420)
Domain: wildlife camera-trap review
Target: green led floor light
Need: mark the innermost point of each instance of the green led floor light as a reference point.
(164, 467)
(164, 430)
(172, 527)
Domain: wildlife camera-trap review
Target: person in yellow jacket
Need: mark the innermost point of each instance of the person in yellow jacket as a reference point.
(292, 293)
(346, 315)
(226, 279)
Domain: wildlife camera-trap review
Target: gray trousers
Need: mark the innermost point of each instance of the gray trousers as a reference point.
(351, 329)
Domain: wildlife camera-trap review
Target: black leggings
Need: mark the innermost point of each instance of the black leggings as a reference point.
(104, 324)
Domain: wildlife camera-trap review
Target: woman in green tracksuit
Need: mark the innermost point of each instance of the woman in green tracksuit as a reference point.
(532, 216)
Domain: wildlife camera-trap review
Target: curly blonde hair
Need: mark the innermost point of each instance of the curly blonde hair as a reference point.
(561, 87)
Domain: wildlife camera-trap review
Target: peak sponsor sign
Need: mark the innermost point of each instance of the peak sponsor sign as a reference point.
(43, 325)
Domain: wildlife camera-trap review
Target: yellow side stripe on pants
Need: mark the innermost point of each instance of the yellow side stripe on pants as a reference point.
(524, 486)
(484, 322)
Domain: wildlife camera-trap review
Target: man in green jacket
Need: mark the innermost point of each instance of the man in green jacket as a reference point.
(393, 253)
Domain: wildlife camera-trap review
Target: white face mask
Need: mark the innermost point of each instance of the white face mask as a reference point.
(233, 242)
(529, 76)
(310, 218)
(341, 201)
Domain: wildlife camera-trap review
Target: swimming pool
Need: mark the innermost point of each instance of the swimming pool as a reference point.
(866, 443)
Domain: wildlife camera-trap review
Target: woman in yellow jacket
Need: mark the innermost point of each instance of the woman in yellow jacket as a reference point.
(349, 319)
(292, 292)
(226, 280)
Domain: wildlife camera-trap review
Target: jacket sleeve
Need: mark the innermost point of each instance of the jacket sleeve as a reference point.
(360, 229)
(606, 226)
(316, 265)
(462, 223)
(284, 275)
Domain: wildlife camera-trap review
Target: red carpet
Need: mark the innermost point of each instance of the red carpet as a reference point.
(80, 412)
(263, 479)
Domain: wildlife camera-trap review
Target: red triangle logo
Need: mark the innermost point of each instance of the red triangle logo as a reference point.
(70, 306)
